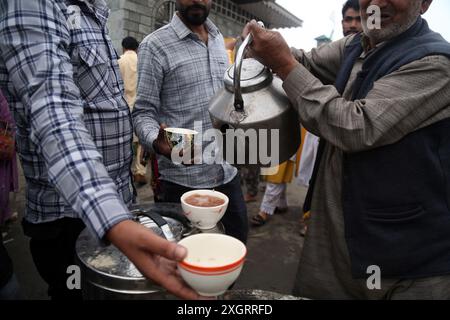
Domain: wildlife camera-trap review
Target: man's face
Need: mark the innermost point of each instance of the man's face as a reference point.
(351, 22)
(397, 16)
(194, 12)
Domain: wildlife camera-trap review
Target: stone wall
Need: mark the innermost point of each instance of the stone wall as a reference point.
(129, 18)
(136, 18)
(228, 26)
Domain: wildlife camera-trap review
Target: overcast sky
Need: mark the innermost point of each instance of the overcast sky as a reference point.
(321, 17)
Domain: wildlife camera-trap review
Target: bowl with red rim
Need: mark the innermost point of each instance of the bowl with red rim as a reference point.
(213, 262)
(204, 217)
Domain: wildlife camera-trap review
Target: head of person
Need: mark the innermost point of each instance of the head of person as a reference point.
(351, 18)
(396, 16)
(193, 12)
(130, 43)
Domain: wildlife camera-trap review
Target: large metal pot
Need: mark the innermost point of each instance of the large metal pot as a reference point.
(253, 98)
(107, 274)
(254, 294)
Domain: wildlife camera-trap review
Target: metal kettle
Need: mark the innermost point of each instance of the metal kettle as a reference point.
(254, 101)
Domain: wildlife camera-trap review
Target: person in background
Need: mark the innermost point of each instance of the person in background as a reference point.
(9, 179)
(128, 68)
(181, 67)
(379, 198)
(351, 24)
(250, 176)
(230, 46)
(275, 199)
(351, 18)
(60, 76)
(9, 287)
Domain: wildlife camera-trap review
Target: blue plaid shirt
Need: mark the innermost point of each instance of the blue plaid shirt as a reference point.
(60, 75)
(178, 75)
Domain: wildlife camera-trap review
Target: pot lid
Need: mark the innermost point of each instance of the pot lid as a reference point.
(254, 294)
(108, 266)
(254, 76)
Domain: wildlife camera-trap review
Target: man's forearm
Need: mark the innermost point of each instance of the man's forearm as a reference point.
(52, 102)
(387, 114)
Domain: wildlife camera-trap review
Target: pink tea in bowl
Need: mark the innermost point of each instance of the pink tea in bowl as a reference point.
(204, 208)
(204, 201)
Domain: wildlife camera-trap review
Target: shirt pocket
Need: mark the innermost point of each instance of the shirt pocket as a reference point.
(396, 214)
(219, 66)
(93, 75)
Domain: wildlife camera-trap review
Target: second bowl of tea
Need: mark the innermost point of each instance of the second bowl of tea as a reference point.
(204, 208)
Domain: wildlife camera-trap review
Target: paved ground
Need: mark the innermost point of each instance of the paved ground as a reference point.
(273, 249)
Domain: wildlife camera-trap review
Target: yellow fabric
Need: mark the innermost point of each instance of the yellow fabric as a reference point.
(299, 152)
(230, 44)
(286, 170)
(230, 56)
(128, 69)
(285, 173)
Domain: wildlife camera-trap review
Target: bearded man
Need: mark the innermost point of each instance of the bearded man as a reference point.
(380, 197)
(181, 67)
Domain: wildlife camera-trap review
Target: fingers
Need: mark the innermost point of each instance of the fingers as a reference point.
(251, 27)
(161, 133)
(129, 236)
(262, 39)
(246, 30)
(157, 259)
(177, 284)
(162, 128)
(164, 248)
(161, 144)
(258, 32)
(164, 273)
(146, 250)
(255, 28)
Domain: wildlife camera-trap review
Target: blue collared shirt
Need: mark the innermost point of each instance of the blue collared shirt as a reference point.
(60, 74)
(178, 75)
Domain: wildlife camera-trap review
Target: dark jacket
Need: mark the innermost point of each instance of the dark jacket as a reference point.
(396, 198)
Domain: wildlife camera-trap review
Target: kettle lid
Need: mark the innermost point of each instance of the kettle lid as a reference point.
(254, 76)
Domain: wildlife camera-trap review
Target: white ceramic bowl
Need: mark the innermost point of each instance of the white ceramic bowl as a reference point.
(204, 217)
(213, 263)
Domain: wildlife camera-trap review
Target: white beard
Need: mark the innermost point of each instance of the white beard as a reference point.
(393, 29)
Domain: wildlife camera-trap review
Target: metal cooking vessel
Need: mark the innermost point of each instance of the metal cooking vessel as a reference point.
(253, 98)
(253, 294)
(107, 274)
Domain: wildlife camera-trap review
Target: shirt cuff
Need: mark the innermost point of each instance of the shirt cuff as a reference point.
(149, 139)
(105, 216)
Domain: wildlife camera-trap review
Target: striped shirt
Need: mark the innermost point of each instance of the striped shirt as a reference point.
(178, 74)
(59, 72)
(413, 97)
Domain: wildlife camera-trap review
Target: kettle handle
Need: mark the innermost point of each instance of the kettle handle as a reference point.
(238, 100)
